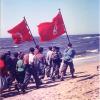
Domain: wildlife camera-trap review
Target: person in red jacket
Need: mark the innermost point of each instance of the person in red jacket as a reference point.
(2, 64)
(3, 73)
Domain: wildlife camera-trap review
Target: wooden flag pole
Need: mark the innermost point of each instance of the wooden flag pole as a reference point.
(30, 32)
(64, 27)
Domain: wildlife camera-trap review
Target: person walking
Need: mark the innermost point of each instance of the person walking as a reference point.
(56, 60)
(49, 61)
(67, 60)
(3, 74)
(41, 62)
(31, 69)
(20, 73)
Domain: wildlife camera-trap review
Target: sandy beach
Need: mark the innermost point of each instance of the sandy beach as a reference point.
(84, 87)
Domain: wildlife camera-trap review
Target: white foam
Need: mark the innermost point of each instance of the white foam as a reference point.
(82, 58)
(9, 47)
(92, 51)
(15, 46)
(86, 57)
(88, 37)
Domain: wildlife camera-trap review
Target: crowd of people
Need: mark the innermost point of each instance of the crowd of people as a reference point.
(20, 67)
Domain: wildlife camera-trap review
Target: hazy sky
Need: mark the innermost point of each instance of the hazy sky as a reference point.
(80, 16)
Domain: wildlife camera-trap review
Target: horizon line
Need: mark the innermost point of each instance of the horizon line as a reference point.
(68, 34)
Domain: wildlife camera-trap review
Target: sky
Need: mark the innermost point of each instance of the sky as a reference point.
(80, 16)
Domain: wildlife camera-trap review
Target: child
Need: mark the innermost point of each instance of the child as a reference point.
(20, 73)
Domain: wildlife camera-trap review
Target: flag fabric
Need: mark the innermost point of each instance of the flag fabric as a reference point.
(20, 33)
(51, 30)
(46, 31)
(58, 25)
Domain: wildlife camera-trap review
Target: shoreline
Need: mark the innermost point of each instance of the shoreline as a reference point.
(87, 59)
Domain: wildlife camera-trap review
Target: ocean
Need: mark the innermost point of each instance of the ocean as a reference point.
(84, 44)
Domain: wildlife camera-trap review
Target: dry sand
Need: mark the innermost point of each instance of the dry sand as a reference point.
(84, 87)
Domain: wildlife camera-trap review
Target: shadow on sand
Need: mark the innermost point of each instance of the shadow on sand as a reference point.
(86, 77)
(12, 92)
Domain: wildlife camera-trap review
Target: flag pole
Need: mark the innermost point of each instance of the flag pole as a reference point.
(30, 32)
(64, 27)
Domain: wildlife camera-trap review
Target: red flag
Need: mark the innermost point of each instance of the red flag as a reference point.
(45, 31)
(20, 33)
(51, 30)
(59, 25)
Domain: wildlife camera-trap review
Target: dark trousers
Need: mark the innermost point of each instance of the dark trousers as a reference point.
(48, 68)
(71, 66)
(31, 70)
(41, 70)
(20, 76)
(11, 77)
(55, 69)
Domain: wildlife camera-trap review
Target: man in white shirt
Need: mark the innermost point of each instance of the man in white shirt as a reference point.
(31, 70)
(49, 61)
(31, 57)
